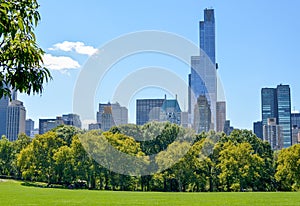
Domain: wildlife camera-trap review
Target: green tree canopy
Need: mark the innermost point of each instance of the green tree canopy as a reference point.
(21, 66)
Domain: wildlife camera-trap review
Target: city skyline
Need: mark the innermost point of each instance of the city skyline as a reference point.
(251, 36)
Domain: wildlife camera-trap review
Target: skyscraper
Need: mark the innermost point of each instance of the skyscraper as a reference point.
(29, 127)
(269, 108)
(276, 103)
(72, 119)
(47, 124)
(272, 133)
(202, 120)
(145, 109)
(207, 34)
(203, 77)
(221, 116)
(3, 115)
(284, 113)
(295, 119)
(170, 111)
(258, 129)
(110, 115)
(16, 115)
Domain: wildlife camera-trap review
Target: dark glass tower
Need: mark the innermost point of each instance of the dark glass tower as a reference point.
(276, 103)
(3, 115)
(203, 77)
(146, 107)
(284, 113)
(207, 34)
(268, 104)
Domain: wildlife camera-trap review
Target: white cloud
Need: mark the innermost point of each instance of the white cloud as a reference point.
(59, 62)
(78, 47)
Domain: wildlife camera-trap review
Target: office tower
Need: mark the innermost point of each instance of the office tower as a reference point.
(72, 120)
(284, 113)
(170, 111)
(272, 132)
(111, 115)
(185, 119)
(119, 113)
(221, 116)
(29, 127)
(16, 115)
(258, 129)
(146, 109)
(203, 77)
(202, 112)
(295, 119)
(107, 120)
(94, 126)
(269, 108)
(276, 103)
(47, 124)
(295, 134)
(4, 101)
(227, 128)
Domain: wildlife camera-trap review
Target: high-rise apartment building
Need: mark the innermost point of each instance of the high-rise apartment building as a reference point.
(119, 113)
(111, 115)
(276, 103)
(272, 133)
(16, 115)
(29, 127)
(202, 112)
(203, 77)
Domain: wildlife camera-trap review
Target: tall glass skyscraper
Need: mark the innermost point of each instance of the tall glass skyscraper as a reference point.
(207, 35)
(203, 77)
(4, 101)
(268, 104)
(276, 103)
(284, 113)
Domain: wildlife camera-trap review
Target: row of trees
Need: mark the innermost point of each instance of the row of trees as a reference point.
(175, 158)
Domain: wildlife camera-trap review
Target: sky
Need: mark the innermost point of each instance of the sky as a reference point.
(256, 46)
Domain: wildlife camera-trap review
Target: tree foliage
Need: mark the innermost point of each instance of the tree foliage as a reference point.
(21, 60)
(196, 163)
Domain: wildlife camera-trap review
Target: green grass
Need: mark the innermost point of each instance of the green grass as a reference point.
(13, 193)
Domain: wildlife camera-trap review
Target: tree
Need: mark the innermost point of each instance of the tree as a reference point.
(239, 166)
(36, 160)
(20, 57)
(288, 168)
(6, 156)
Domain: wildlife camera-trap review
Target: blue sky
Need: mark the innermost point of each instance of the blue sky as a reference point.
(257, 46)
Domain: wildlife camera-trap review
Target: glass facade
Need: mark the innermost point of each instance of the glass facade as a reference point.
(207, 34)
(295, 120)
(284, 113)
(202, 80)
(276, 103)
(269, 104)
(144, 107)
(3, 115)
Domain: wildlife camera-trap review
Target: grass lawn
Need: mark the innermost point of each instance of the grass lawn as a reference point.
(13, 193)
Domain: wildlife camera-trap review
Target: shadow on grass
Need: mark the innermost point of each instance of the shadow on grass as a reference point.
(41, 185)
